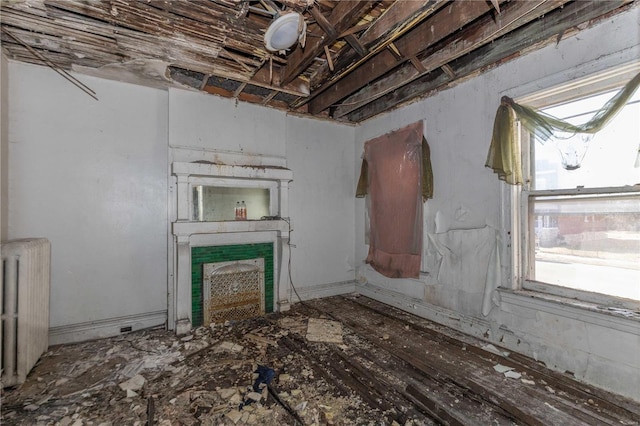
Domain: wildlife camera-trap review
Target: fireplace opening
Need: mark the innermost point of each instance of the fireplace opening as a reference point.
(208, 269)
(233, 290)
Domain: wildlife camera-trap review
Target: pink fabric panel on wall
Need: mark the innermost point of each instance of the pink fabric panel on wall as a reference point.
(395, 209)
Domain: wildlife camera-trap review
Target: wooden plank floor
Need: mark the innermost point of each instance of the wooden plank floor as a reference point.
(391, 368)
(435, 366)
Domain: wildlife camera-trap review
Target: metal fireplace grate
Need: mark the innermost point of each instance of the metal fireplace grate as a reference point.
(233, 290)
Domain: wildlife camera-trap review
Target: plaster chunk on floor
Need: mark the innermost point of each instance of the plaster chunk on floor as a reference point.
(227, 392)
(227, 346)
(135, 383)
(326, 331)
(234, 416)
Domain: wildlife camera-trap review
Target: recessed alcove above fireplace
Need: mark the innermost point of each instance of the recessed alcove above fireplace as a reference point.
(199, 229)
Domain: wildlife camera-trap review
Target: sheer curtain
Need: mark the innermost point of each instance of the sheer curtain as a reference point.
(504, 152)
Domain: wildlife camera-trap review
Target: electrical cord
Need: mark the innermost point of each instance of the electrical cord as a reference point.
(288, 222)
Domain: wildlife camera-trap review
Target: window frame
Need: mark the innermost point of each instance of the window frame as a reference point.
(518, 211)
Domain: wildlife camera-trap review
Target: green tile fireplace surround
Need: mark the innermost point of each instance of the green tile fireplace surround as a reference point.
(225, 253)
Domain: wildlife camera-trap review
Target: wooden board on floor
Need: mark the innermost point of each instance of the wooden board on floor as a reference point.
(370, 364)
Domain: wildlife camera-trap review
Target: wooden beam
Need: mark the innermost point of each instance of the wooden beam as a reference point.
(138, 32)
(394, 50)
(514, 15)
(496, 4)
(354, 29)
(269, 97)
(448, 71)
(417, 64)
(328, 55)
(297, 4)
(435, 28)
(298, 86)
(397, 20)
(355, 44)
(326, 26)
(533, 36)
(237, 58)
(239, 90)
(205, 80)
(342, 17)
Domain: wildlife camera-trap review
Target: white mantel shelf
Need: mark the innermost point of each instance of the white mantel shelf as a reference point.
(229, 171)
(193, 228)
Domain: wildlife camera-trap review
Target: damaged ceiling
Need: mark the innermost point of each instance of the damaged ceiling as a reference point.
(353, 60)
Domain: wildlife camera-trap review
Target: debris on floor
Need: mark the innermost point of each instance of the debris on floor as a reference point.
(494, 350)
(216, 375)
(301, 368)
(321, 330)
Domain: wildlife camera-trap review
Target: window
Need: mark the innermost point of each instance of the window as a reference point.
(579, 209)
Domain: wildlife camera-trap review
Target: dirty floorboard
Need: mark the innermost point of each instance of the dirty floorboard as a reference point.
(357, 362)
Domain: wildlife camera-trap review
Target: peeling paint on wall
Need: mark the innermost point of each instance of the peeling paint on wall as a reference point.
(468, 260)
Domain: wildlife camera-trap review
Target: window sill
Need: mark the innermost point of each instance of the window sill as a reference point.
(612, 317)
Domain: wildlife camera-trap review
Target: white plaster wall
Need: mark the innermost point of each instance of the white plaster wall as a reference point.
(320, 154)
(202, 121)
(91, 177)
(4, 145)
(321, 202)
(458, 125)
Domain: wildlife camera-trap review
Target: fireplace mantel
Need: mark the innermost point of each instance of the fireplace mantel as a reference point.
(187, 229)
(189, 233)
(209, 169)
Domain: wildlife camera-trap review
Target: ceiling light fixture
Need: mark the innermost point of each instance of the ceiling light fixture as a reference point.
(284, 32)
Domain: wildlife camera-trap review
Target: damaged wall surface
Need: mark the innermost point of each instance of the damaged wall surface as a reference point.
(321, 206)
(94, 177)
(320, 155)
(464, 218)
(4, 145)
(91, 177)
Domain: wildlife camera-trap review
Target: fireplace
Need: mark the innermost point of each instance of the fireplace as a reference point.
(195, 234)
(232, 290)
(209, 262)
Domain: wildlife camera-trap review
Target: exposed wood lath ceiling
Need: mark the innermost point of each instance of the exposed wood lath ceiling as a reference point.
(360, 58)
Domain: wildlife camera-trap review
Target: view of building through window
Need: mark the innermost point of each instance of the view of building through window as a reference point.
(583, 211)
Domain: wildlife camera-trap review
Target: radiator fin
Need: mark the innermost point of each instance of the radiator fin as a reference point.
(24, 299)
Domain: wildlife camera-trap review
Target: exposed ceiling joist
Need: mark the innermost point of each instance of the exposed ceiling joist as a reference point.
(326, 26)
(535, 35)
(269, 97)
(514, 15)
(298, 5)
(355, 29)
(342, 17)
(394, 22)
(430, 31)
(355, 44)
(361, 57)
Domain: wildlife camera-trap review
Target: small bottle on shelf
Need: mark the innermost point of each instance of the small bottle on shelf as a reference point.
(238, 211)
(243, 210)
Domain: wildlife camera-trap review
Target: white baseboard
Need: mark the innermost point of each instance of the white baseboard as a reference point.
(476, 327)
(610, 374)
(323, 290)
(91, 330)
